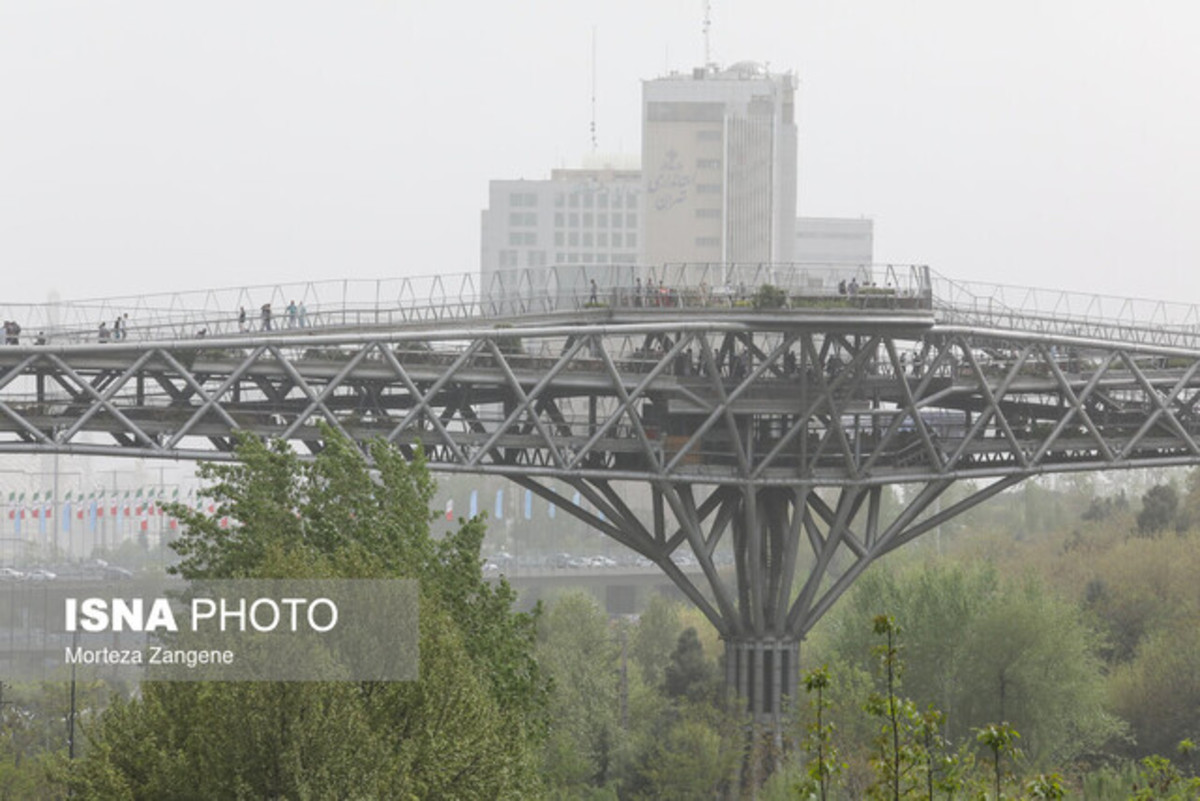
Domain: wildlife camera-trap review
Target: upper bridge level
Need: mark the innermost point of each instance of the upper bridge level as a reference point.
(810, 294)
(721, 374)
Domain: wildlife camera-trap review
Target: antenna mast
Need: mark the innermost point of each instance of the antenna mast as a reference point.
(593, 126)
(705, 28)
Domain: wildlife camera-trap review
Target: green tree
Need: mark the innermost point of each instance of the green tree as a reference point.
(981, 649)
(654, 638)
(689, 674)
(823, 765)
(579, 654)
(473, 724)
(1158, 509)
(1001, 740)
(1159, 691)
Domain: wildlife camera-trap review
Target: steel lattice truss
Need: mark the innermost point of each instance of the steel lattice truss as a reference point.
(774, 437)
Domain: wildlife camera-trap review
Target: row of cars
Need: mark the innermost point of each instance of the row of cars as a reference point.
(36, 574)
(503, 562)
(94, 570)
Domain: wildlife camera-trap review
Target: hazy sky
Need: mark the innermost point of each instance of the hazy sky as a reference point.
(149, 146)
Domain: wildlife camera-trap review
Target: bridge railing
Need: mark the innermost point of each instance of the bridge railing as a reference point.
(1059, 312)
(356, 303)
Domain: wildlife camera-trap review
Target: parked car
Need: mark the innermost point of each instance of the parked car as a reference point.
(9, 573)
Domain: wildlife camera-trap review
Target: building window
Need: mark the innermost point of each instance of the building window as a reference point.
(535, 258)
(587, 258)
(587, 239)
(588, 200)
(602, 220)
(617, 199)
(515, 237)
(522, 200)
(558, 219)
(631, 221)
(559, 238)
(574, 259)
(574, 200)
(631, 240)
(588, 219)
(616, 239)
(708, 189)
(526, 218)
(574, 217)
(602, 239)
(573, 239)
(508, 258)
(602, 200)
(559, 258)
(559, 199)
(601, 258)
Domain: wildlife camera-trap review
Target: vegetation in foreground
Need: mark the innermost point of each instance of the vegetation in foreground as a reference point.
(1046, 647)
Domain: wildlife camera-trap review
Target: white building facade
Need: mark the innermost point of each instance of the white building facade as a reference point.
(719, 165)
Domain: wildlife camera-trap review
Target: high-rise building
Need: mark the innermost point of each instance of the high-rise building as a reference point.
(719, 166)
(588, 217)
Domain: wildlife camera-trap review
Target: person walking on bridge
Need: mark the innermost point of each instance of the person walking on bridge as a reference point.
(266, 316)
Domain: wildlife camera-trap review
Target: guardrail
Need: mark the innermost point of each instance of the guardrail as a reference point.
(458, 297)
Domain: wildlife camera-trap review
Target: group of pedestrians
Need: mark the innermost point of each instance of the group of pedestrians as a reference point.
(295, 316)
(119, 330)
(651, 294)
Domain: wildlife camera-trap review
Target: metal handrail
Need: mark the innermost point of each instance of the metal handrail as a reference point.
(462, 297)
(437, 299)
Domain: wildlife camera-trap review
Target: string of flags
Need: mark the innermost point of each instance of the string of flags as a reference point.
(143, 505)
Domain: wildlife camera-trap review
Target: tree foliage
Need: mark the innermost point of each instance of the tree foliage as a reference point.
(1159, 505)
(981, 649)
(471, 726)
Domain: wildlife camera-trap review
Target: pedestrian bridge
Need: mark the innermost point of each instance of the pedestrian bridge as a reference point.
(756, 408)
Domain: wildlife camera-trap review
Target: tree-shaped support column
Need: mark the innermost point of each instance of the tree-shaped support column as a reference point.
(796, 550)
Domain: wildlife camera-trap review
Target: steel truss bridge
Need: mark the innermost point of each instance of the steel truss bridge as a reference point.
(700, 416)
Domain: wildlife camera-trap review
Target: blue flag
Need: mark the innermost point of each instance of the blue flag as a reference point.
(474, 502)
(500, 504)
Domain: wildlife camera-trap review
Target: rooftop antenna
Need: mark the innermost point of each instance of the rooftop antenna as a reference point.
(705, 28)
(593, 125)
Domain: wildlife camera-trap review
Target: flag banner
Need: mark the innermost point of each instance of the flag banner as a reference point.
(550, 511)
(500, 504)
(450, 509)
(528, 504)
(474, 502)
